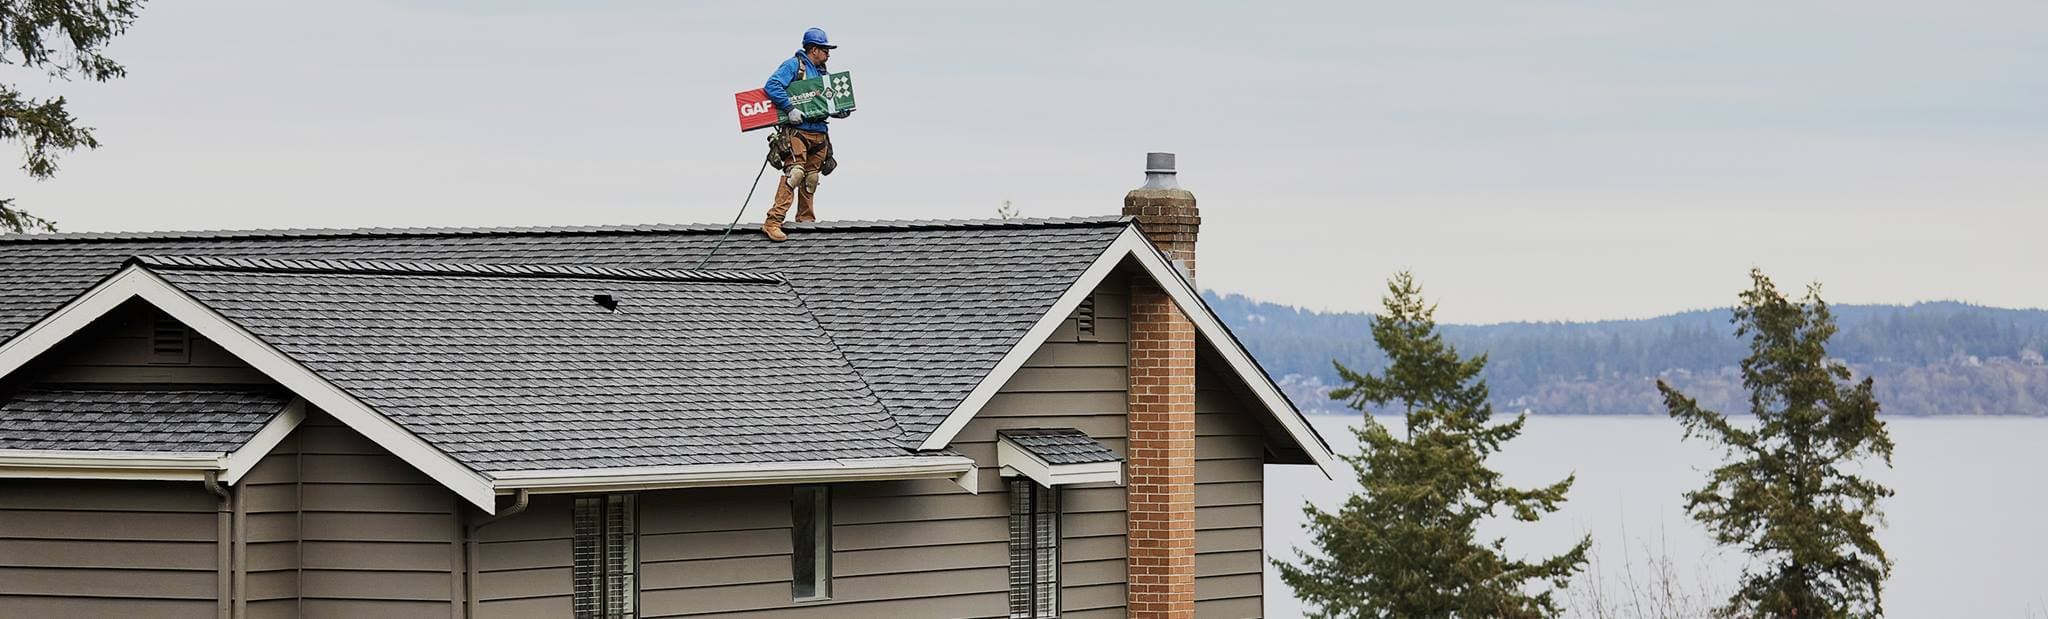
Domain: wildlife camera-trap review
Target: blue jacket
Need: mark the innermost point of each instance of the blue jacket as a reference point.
(778, 88)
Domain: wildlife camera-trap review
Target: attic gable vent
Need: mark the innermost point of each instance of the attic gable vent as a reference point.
(170, 341)
(1084, 318)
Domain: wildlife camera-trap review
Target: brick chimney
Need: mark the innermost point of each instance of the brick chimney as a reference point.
(1160, 450)
(1166, 212)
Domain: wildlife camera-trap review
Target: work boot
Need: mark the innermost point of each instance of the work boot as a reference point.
(804, 216)
(774, 231)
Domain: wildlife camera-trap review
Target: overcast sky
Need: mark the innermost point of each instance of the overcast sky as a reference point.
(1530, 161)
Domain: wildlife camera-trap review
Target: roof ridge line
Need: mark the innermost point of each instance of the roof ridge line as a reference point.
(627, 229)
(387, 267)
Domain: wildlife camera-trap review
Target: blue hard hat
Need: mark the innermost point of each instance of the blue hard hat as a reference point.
(816, 36)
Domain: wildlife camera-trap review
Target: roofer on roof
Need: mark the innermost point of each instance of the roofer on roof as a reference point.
(810, 146)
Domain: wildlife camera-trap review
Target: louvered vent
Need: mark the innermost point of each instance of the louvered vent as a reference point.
(1084, 318)
(170, 341)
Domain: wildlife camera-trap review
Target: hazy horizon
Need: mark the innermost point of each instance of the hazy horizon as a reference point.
(1654, 316)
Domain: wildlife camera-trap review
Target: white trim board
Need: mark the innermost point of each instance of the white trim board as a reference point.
(243, 460)
(134, 281)
(139, 465)
(1133, 245)
(960, 469)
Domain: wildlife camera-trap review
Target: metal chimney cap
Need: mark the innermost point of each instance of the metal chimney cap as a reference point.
(1159, 162)
(1159, 172)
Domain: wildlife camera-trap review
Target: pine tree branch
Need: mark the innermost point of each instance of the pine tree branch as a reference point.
(65, 39)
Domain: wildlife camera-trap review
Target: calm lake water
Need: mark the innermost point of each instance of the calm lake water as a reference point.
(1967, 531)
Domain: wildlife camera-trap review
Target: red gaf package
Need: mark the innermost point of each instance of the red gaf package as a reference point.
(756, 110)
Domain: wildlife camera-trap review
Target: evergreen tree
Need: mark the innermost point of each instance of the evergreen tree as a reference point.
(1406, 545)
(63, 39)
(1786, 495)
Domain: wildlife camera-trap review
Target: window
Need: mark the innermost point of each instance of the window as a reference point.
(607, 561)
(811, 564)
(1034, 550)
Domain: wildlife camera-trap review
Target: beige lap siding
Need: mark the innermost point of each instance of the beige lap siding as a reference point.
(1229, 502)
(270, 516)
(377, 537)
(526, 563)
(714, 550)
(73, 548)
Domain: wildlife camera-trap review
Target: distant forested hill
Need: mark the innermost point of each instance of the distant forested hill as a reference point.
(1941, 358)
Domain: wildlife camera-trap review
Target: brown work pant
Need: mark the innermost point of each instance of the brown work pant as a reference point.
(806, 148)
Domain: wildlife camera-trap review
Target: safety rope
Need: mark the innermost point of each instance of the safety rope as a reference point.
(736, 216)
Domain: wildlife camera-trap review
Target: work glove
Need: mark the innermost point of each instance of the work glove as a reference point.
(842, 113)
(796, 115)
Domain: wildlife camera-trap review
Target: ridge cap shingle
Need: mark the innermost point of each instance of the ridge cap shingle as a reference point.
(590, 230)
(385, 267)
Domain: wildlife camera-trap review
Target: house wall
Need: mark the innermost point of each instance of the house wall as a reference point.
(899, 550)
(376, 538)
(90, 548)
(1078, 382)
(1229, 501)
(332, 525)
(328, 524)
(269, 515)
(525, 562)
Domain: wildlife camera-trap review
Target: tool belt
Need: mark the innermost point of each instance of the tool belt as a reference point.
(779, 152)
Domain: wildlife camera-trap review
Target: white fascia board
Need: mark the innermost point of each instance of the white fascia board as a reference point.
(1016, 461)
(137, 465)
(1132, 244)
(244, 459)
(960, 469)
(9, 472)
(135, 281)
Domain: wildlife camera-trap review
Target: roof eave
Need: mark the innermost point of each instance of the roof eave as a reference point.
(1018, 461)
(129, 465)
(136, 281)
(960, 469)
(154, 465)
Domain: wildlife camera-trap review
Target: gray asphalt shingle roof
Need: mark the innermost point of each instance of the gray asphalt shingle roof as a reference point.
(149, 419)
(1059, 445)
(922, 310)
(518, 368)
